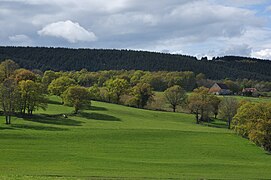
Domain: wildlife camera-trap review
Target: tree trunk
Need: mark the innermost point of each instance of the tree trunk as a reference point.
(6, 119)
(229, 123)
(174, 108)
(197, 118)
(9, 119)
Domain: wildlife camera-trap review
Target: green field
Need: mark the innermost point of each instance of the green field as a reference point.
(117, 142)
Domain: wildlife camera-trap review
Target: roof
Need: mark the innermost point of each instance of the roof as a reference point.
(249, 90)
(222, 86)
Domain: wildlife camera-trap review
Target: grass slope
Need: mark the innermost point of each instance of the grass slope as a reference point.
(112, 141)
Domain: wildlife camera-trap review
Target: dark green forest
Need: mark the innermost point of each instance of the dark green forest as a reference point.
(65, 59)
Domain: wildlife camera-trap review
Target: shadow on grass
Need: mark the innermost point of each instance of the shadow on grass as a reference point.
(97, 116)
(53, 119)
(34, 127)
(54, 102)
(96, 108)
(216, 124)
(6, 128)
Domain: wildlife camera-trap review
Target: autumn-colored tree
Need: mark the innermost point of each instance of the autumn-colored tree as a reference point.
(7, 69)
(78, 97)
(24, 74)
(175, 96)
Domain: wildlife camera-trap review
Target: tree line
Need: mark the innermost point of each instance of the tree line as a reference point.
(23, 91)
(64, 59)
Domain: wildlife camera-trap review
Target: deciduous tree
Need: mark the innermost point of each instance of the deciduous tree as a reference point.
(228, 108)
(78, 97)
(175, 96)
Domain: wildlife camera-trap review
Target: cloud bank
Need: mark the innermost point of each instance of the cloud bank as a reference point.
(194, 27)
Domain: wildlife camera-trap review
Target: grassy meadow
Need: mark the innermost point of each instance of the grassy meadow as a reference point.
(117, 142)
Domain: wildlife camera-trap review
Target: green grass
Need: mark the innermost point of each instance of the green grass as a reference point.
(112, 141)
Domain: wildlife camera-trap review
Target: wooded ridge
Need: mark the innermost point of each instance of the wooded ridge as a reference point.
(65, 59)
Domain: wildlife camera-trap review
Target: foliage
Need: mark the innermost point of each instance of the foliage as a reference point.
(78, 97)
(59, 85)
(141, 94)
(253, 120)
(199, 103)
(228, 108)
(116, 88)
(176, 96)
(32, 96)
(65, 59)
(95, 92)
(9, 96)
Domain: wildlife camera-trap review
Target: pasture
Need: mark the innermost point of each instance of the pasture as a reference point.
(112, 141)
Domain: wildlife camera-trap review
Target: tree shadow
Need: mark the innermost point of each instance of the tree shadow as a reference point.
(216, 124)
(56, 119)
(96, 108)
(97, 116)
(34, 127)
(54, 102)
(6, 128)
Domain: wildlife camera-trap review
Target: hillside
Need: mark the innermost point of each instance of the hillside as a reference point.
(98, 59)
(112, 141)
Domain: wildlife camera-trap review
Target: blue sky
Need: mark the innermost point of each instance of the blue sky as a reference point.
(194, 27)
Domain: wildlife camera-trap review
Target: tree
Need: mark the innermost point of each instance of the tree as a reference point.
(215, 101)
(7, 69)
(142, 93)
(8, 97)
(228, 108)
(176, 96)
(24, 74)
(31, 97)
(199, 103)
(253, 120)
(78, 97)
(116, 88)
(49, 76)
(95, 92)
(59, 85)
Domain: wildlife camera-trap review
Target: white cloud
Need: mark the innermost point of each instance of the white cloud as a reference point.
(68, 30)
(262, 54)
(19, 38)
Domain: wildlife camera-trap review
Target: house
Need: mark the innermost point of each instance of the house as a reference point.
(248, 91)
(220, 89)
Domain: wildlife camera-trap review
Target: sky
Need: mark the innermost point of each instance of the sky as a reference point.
(192, 27)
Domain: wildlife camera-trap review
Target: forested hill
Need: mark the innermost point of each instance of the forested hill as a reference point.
(97, 59)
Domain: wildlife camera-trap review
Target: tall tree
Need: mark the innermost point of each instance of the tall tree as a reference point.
(199, 103)
(8, 98)
(215, 101)
(32, 97)
(176, 96)
(228, 108)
